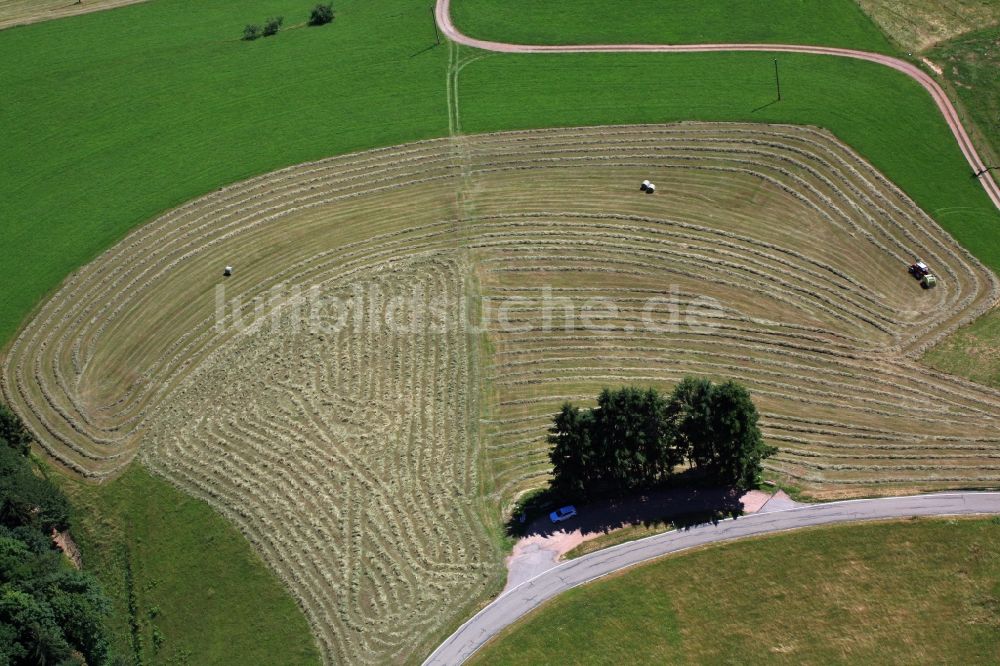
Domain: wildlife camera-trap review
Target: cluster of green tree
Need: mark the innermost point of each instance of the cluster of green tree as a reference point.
(635, 439)
(50, 613)
(271, 27)
(320, 15)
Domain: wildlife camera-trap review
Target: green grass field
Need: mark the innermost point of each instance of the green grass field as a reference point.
(972, 352)
(922, 591)
(98, 139)
(823, 22)
(192, 579)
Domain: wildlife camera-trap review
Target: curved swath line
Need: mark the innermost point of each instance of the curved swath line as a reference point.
(824, 211)
(823, 426)
(792, 278)
(753, 382)
(782, 367)
(442, 15)
(436, 565)
(792, 295)
(901, 375)
(421, 384)
(666, 228)
(751, 375)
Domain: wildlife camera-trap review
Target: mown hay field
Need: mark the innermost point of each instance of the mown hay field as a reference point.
(22, 12)
(375, 379)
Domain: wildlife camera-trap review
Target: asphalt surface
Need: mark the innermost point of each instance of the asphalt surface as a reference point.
(442, 15)
(514, 604)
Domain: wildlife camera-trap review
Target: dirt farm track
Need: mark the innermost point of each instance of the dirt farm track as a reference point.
(355, 455)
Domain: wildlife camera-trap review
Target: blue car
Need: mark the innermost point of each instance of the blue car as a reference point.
(562, 514)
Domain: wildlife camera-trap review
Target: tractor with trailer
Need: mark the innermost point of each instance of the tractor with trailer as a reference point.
(922, 272)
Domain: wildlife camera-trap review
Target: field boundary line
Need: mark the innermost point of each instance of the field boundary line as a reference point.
(442, 14)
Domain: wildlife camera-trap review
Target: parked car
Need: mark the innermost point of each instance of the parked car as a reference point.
(562, 514)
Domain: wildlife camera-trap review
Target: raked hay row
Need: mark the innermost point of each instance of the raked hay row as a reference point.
(375, 377)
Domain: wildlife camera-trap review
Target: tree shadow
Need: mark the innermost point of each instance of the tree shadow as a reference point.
(686, 505)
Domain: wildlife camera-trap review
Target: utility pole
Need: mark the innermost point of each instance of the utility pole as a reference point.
(984, 170)
(437, 35)
(777, 79)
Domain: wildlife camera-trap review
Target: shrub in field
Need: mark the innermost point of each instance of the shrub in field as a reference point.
(273, 25)
(321, 14)
(251, 32)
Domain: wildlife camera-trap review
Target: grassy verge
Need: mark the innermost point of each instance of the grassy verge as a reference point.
(887, 117)
(972, 352)
(778, 482)
(971, 65)
(619, 536)
(921, 591)
(186, 587)
(824, 22)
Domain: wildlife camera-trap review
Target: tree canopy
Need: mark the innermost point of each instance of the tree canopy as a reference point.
(636, 438)
(321, 14)
(12, 430)
(50, 613)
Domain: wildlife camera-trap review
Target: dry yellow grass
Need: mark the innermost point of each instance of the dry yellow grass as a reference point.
(917, 25)
(362, 459)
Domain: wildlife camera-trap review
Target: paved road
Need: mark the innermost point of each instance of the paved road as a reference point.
(529, 595)
(443, 16)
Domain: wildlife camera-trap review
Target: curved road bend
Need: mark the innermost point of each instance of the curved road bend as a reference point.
(442, 14)
(508, 608)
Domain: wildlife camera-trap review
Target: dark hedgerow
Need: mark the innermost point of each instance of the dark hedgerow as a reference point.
(321, 14)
